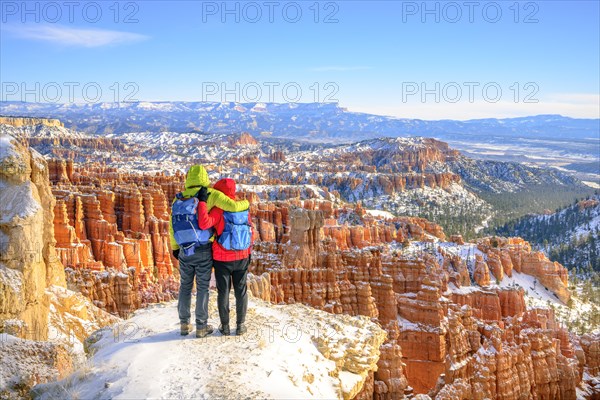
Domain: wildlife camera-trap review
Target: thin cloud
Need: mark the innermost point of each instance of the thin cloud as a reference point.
(576, 98)
(339, 68)
(75, 37)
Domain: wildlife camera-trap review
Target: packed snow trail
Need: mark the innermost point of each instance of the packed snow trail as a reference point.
(290, 351)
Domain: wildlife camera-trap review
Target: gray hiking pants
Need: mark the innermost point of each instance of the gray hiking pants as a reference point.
(199, 265)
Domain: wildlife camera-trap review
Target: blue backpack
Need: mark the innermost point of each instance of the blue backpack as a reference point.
(237, 233)
(187, 232)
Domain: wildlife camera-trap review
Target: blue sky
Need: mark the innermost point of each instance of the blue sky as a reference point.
(428, 60)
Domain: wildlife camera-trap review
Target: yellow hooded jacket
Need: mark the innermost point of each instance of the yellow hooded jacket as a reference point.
(196, 178)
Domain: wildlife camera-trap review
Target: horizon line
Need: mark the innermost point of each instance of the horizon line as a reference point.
(346, 109)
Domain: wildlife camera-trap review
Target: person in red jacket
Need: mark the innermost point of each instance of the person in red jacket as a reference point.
(231, 266)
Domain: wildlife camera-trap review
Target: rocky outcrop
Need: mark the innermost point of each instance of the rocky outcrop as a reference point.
(484, 304)
(481, 273)
(243, 139)
(525, 364)
(121, 293)
(512, 302)
(589, 360)
(260, 286)
(28, 263)
(305, 237)
(73, 317)
(43, 324)
(26, 363)
(60, 171)
(456, 268)
(390, 379)
(492, 304)
(458, 239)
(551, 275)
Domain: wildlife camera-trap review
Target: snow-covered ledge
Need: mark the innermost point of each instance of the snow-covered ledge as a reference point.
(289, 351)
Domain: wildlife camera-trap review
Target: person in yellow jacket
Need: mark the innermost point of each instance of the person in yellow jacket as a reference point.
(196, 262)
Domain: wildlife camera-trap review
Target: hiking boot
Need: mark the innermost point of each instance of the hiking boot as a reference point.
(241, 329)
(185, 328)
(204, 331)
(224, 329)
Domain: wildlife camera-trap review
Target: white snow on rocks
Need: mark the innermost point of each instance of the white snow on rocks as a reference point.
(145, 357)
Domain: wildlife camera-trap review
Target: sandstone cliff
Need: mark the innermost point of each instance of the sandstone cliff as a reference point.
(28, 262)
(35, 306)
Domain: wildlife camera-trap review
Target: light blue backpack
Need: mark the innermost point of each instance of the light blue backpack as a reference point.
(237, 233)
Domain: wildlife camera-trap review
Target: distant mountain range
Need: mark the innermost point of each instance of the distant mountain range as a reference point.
(311, 121)
(543, 140)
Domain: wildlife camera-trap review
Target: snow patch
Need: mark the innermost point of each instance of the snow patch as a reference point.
(17, 202)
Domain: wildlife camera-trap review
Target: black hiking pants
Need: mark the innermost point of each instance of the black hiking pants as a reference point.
(227, 274)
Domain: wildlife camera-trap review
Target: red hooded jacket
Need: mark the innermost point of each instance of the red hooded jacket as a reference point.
(215, 219)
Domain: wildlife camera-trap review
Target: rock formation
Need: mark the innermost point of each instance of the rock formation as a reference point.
(481, 274)
(42, 323)
(26, 363)
(550, 274)
(112, 234)
(437, 323)
(28, 262)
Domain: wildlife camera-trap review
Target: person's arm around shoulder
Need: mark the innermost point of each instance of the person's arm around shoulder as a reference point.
(221, 200)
